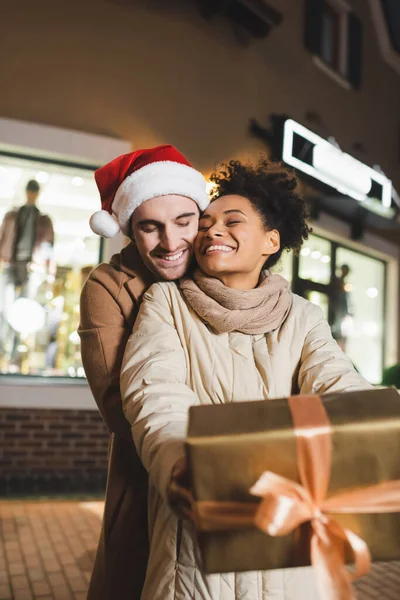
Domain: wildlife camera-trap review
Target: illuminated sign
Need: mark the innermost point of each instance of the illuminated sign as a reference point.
(324, 161)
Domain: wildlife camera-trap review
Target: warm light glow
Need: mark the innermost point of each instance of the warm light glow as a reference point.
(26, 316)
(42, 177)
(348, 287)
(74, 337)
(209, 187)
(21, 348)
(372, 292)
(370, 328)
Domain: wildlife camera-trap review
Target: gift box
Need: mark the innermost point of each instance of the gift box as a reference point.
(229, 448)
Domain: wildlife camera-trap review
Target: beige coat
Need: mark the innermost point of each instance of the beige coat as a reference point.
(172, 361)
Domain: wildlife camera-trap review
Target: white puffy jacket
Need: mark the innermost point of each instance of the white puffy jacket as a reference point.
(174, 360)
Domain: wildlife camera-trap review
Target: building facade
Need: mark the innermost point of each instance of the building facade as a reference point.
(315, 83)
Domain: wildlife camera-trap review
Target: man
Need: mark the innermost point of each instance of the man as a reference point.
(26, 236)
(340, 307)
(22, 234)
(154, 196)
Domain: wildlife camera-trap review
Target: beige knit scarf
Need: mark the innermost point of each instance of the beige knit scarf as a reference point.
(260, 310)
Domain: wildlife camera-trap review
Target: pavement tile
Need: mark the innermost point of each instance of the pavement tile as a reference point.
(41, 588)
(72, 571)
(4, 575)
(16, 568)
(57, 579)
(36, 574)
(67, 560)
(5, 592)
(13, 556)
(51, 566)
(62, 593)
(23, 594)
(19, 582)
(33, 562)
(77, 584)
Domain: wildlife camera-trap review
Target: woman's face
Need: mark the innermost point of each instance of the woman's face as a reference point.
(232, 243)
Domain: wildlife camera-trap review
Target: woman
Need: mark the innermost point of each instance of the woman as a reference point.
(233, 332)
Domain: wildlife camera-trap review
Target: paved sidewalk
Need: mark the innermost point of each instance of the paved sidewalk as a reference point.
(47, 550)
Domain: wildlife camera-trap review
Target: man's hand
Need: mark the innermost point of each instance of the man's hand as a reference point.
(179, 494)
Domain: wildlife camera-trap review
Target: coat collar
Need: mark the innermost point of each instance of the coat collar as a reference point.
(129, 262)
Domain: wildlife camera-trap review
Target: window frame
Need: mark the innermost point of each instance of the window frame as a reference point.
(347, 69)
(299, 285)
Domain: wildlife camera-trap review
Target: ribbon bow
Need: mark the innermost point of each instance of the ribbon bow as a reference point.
(286, 504)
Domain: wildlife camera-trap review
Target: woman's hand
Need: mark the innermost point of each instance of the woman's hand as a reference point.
(179, 495)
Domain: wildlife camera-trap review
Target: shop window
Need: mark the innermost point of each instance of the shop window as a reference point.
(349, 287)
(46, 252)
(315, 260)
(333, 34)
(361, 314)
(321, 300)
(285, 266)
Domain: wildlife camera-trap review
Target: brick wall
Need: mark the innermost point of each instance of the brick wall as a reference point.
(52, 451)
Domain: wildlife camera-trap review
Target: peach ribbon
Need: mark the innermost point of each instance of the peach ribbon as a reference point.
(286, 505)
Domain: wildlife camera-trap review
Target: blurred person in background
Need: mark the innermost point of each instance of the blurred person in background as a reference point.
(23, 233)
(154, 196)
(341, 311)
(26, 238)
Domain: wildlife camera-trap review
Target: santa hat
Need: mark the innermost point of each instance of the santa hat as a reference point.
(129, 180)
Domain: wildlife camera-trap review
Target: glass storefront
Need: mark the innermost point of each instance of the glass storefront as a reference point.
(350, 289)
(46, 252)
(363, 327)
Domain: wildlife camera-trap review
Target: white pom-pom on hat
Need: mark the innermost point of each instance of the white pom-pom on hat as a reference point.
(102, 223)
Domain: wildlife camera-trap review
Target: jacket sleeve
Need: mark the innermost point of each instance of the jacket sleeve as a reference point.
(324, 368)
(49, 231)
(155, 396)
(104, 332)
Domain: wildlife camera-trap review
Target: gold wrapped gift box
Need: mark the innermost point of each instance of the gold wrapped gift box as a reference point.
(229, 446)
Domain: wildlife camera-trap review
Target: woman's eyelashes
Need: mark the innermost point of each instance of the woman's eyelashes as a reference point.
(228, 224)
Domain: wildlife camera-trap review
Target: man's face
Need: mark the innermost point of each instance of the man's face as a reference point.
(164, 229)
(31, 196)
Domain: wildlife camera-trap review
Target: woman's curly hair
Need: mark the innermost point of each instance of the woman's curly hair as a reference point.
(271, 189)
